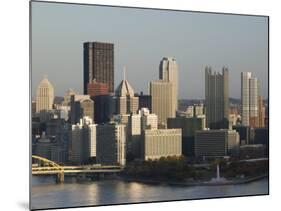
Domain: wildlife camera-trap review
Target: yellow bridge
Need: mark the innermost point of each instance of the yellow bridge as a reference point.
(52, 168)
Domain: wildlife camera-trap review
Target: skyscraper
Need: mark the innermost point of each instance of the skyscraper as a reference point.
(216, 98)
(162, 101)
(168, 71)
(44, 95)
(125, 96)
(99, 64)
(249, 99)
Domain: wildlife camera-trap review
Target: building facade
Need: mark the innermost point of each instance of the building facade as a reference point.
(99, 64)
(168, 71)
(216, 98)
(111, 144)
(44, 96)
(81, 106)
(162, 100)
(161, 143)
(126, 101)
(97, 88)
(82, 147)
(249, 100)
(216, 143)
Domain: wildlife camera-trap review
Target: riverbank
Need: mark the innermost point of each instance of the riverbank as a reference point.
(234, 181)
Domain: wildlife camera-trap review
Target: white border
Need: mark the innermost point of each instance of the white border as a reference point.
(14, 84)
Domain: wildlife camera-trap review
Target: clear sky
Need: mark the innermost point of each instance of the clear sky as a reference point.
(142, 37)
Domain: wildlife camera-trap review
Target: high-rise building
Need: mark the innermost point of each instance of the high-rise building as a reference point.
(126, 102)
(162, 101)
(99, 64)
(261, 112)
(161, 143)
(96, 89)
(44, 96)
(216, 143)
(82, 145)
(216, 98)
(111, 144)
(168, 71)
(249, 100)
(81, 106)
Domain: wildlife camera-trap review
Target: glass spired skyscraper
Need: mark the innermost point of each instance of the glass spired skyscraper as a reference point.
(217, 98)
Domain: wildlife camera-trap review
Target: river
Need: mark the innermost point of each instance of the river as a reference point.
(47, 194)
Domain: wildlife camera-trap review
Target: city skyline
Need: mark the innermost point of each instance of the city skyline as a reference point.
(248, 53)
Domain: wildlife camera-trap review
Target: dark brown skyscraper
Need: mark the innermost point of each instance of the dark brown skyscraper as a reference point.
(99, 64)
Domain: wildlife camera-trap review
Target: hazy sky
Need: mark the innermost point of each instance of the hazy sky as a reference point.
(142, 37)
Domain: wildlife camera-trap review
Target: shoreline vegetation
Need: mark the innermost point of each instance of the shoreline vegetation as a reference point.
(176, 171)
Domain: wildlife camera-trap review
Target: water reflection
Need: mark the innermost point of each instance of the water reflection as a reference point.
(48, 194)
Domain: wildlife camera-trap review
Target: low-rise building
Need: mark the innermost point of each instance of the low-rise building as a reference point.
(216, 143)
(161, 143)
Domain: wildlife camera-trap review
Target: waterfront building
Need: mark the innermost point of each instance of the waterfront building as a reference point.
(249, 100)
(216, 98)
(168, 71)
(216, 143)
(81, 106)
(188, 126)
(162, 100)
(44, 96)
(161, 143)
(98, 64)
(82, 147)
(111, 144)
(126, 102)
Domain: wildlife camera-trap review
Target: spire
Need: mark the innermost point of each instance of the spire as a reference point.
(124, 73)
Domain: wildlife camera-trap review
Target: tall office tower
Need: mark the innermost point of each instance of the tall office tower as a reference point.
(81, 106)
(261, 112)
(82, 145)
(216, 98)
(111, 144)
(168, 71)
(96, 89)
(125, 98)
(161, 143)
(99, 64)
(249, 99)
(44, 95)
(162, 102)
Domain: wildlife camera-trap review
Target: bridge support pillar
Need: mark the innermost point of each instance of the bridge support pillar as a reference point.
(60, 177)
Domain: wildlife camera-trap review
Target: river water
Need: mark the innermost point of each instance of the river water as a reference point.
(46, 193)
